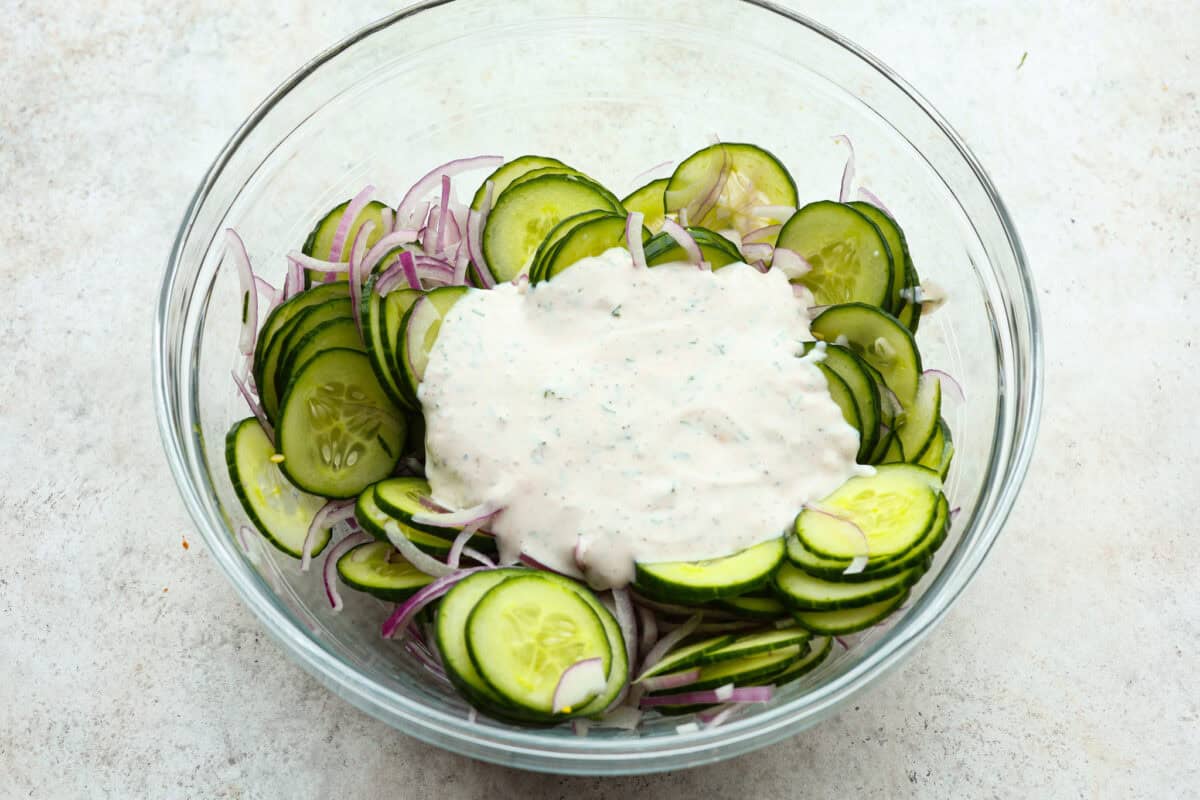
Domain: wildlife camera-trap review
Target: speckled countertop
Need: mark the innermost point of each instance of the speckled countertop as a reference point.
(1068, 669)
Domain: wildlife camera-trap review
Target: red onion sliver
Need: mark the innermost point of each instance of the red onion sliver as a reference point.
(408, 265)
(848, 170)
(954, 512)
(714, 194)
(471, 552)
(405, 612)
(948, 384)
(683, 239)
(672, 680)
(328, 572)
(243, 534)
(857, 565)
(712, 717)
(624, 717)
(627, 620)
(633, 238)
(241, 260)
(767, 233)
(327, 515)
(579, 683)
(852, 529)
(443, 213)
(673, 638)
(460, 541)
(462, 261)
(415, 556)
(480, 513)
(381, 248)
(791, 263)
(432, 178)
(747, 694)
(866, 194)
(337, 247)
(426, 660)
(649, 632)
(842, 642)
(255, 408)
(756, 251)
(265, 289)
(387, 219)
(475, 238)
(355, 276)
(317, 264)
(644, 176)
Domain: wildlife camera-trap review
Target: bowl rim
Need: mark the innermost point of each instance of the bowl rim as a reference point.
(592, 755)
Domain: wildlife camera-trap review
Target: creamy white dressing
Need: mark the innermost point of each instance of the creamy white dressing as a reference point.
(620, 414)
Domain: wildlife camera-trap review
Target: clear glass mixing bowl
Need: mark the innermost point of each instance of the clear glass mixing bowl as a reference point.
(612, 87)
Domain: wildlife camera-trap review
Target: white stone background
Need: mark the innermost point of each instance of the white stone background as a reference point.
(1068, 668)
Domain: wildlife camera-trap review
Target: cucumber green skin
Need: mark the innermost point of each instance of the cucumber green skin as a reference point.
(836, 623)
(647, 581)
(482, 666)
(740, 671)
(920, 426)
(609, 230)
(284, 313)
(905, 370)
(326, 336)
(686, 656)
(895, 584)
(878, 289)
(897, 245)
(753, 644)
(716, 249)
(844, 398)
(393, 593)
(392, 505)
(508, 172)
(372, 519)
(649, 201)
(859, 381)
(308, 319)
(807, 663)
(549, 245)
(764, 608)
(240, 490)
(377, 343)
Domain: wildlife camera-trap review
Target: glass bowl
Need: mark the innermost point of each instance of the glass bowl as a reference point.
(611, 87)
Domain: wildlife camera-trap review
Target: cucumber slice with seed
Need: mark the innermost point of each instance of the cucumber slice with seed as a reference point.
(338, 430)
(879, 339)
(284, 313)
(850, 259)
(379, 570)
(280, 511)
(375, 521)
(754, 177)
(330, 334)
(508, 172)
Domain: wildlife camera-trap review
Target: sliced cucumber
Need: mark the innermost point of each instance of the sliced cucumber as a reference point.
(753, 607)
(892, 508)
(508, 172)
(716, 249)
(284, 313)
(319, 243)
(382, 320)
(841, 394)
(648, 200)
(753, 177)
(587, 239)
(419, 330)
(897, 246)
(375, 521)
(525, 632)
(701, 581)
(524, 214)
(921, 419)
(330, 334)
(307, 320)
(808, 593)
(402, 498)
(854, 373)
(849, 620)
(850, 259)
(758, 643)
(379, 570)
(686, 657)
(546, 248)
(819, 649)
(879, 339)
(741, 671)
(280, 511)
(931, 456)
(338, 430)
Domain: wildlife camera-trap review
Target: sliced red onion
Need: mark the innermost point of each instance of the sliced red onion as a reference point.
(649, 632)
(326, 517)
(294, 284)
(773, 212)
(848, 170)
(579, 683)
(244, 534)
(756, 251)
(713, 717)
(673, 638)
(849, 524)
(627, 620)
(415, 556)
(405, 612)
(950, 385)
(329, 573)
(801, 292)
(431, 179)
(624, 717)
(317, 264)
(357, 250)
(866, 194)
(791, 263)
(255, 408)
(644, 177)
(473, 715)
(687, 727)
(580, 726)
(683, 217)
(857, 565)
(460, 541)
(443, 213)
(241, 260)
(480, 513)
(954, 512)
(726, 694)
(471, 552)
(683, 239)
(387, 219)
(633, 238)
(426, 660)
(842, 642)
(265, 289)
(385, 245)
(714, 194)
(672, 680)
(767, 234)
(461, 262)
(705, 266)
(337, 247)
(475, 222)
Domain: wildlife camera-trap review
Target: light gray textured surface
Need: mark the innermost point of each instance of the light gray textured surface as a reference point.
(128, 669)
